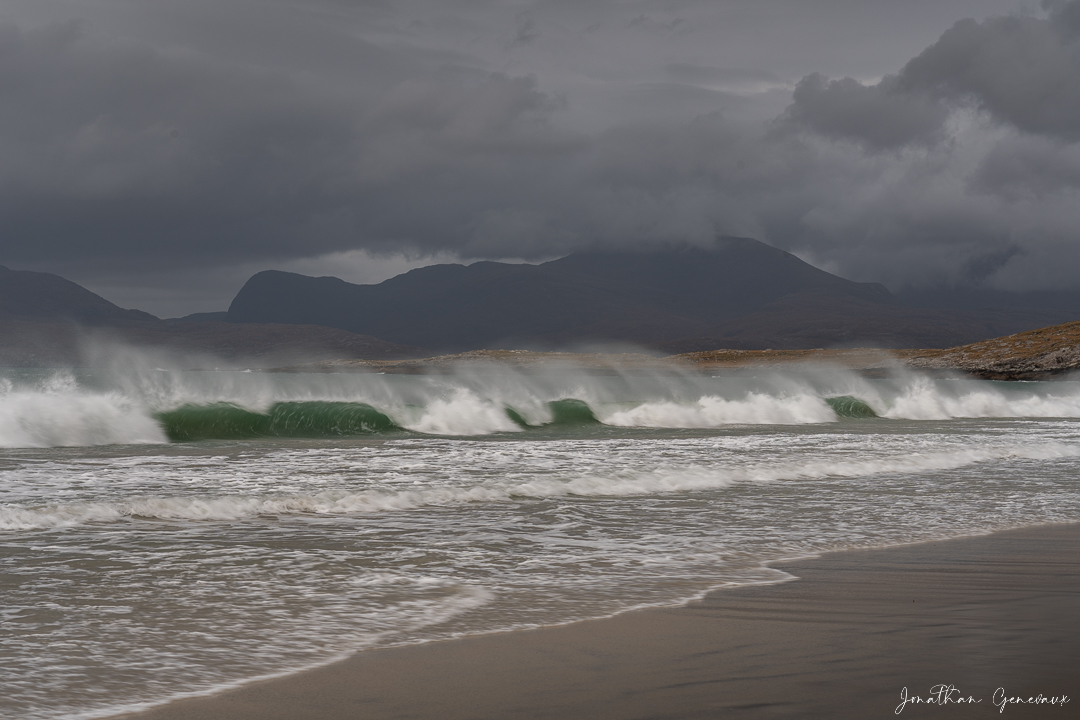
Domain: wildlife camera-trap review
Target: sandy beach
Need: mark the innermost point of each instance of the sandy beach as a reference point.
(843, 640)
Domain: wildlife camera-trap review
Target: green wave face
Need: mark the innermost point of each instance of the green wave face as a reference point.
(847, 406)
(564, 413)
(225, 421)
(516, 417)
(571, 412)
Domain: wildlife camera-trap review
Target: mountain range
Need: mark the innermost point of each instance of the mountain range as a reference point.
(47, 321)
(734, 293)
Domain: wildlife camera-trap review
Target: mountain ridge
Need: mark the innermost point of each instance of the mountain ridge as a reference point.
(737, 292)
(46, 320)
(44, 296)
(636, 296)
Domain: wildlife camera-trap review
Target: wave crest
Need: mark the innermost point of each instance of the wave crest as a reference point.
(60, 410)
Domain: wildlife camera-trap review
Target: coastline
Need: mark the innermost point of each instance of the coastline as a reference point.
(842, 640)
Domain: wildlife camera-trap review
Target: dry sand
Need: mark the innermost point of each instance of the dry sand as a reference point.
(842, 641)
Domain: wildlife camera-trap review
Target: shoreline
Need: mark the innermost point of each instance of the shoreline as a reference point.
(993, 609)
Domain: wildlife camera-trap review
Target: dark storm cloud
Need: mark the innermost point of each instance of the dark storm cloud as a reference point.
(122, 150)
(1022, 71)
(884, 115)
(115, 151)
(1028, 167)
(278, 135)
(979, 182)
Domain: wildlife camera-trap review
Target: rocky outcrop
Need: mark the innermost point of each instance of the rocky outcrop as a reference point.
(1034, 355)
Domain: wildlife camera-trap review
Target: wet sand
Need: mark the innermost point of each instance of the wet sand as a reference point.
(842, 641)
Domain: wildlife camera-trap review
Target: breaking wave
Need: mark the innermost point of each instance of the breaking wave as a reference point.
(65, 409)
(463, 415)
(846, 406)
(225, 421)
(57, 412)
(624, 484)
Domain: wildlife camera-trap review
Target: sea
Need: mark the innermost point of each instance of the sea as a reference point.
(167, 533)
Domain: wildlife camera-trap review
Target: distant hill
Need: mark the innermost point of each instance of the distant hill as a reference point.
(34, 296)
(737, 293)
(48, 321)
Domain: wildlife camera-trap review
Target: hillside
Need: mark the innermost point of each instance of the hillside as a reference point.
(737, 293)
(47, 321)
(34, 296)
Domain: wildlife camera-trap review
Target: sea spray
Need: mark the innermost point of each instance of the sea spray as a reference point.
(712, 411)
(154, 406)
(463, 413)
(926, 399)
(54, 411)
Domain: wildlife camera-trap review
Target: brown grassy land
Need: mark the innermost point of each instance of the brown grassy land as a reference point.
(1031, 355)
(1037, 354)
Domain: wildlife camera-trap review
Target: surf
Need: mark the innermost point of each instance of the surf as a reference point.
(584, 478)
(226, 421)
(64, 408)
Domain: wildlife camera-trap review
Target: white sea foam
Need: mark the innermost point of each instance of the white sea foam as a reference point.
(713, 411)
(624, 483)
(58, 413)
(58, 410)
(463, 414)
(924, 399)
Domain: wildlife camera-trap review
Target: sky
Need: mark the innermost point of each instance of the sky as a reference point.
(160, 152)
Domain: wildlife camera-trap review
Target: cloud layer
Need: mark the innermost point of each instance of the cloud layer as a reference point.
(217, 137)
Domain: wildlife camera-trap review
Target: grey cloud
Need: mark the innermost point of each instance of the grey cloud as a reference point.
(733, 80)
(117, 153)
(881, 116)
(526, 30)
(498, 113)
(997, 205)
(1023, 71)
(1028, 167)
(984, 266)
(689, 72)
(1066, 16)
(129, 157)
(1020, 70)
(113, 149)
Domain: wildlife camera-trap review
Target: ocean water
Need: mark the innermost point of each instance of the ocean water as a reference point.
(166, 533)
